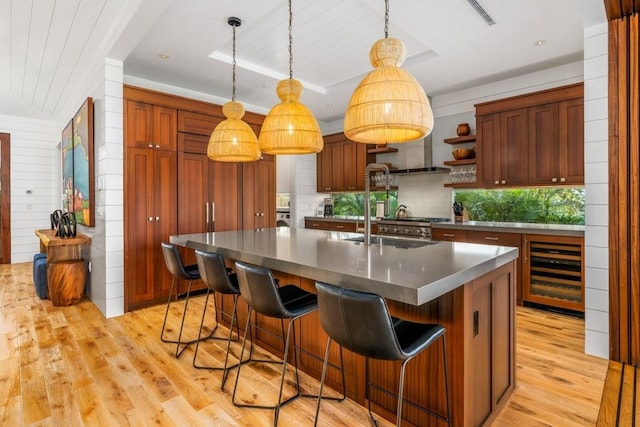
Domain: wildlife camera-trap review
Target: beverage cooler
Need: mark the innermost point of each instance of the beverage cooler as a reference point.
(553, 272)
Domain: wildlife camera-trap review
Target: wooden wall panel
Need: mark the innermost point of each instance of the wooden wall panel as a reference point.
(624, 187)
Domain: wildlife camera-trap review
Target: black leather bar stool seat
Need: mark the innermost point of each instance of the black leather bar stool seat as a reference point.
(179, 271)
(261, 292)
(217, 277)
(360, 322)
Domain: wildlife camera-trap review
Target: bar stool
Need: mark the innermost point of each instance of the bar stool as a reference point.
(217, 278)
(179, 271)
(258, 288)
(360, 322)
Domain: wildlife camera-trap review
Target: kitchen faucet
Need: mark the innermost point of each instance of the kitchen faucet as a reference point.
(367, 202)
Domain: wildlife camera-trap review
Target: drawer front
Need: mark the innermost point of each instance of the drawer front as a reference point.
(318, 225)
(494, 238)
(448, 235)
(342, 226)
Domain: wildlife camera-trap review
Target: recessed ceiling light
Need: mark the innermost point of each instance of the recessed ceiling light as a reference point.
(163, 56)
(539, 42)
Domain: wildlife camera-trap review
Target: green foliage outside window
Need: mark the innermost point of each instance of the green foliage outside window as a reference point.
(536, 205)
(352, 204)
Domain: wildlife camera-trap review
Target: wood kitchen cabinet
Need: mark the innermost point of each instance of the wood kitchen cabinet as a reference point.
(259, 193)
(492, 343)
(150, 126)
(485, 238)
(556, 143)
(171, 187)
(532, 139)
(341, 164)
(502, 148)
(150, 217)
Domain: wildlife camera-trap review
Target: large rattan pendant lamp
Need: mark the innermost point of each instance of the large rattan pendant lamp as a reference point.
(233, 140)
(389, 105)
(290, 128)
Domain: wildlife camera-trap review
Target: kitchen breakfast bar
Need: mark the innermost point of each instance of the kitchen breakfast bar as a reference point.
(467, 288)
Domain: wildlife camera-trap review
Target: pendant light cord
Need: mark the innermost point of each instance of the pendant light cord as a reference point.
(386, 19)
(290, 42)
(233, 94)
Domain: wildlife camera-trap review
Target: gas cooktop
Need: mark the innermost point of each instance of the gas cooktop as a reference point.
(417, 219)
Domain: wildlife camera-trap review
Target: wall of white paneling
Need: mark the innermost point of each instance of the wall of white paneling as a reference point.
(597, 190)
(35, 164)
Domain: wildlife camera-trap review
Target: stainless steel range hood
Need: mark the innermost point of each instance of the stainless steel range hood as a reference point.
(427, 165)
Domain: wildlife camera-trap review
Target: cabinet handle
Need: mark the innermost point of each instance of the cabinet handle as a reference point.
(476, 323)
(157, 218)
(157, 146)
(150, 219)
(213, 215)
(563, 179)
(206, 216)
(491, 238)
(496, 182)
(503, 182)
(340, 226)
(554, 179)
(448, 235)
(526, 251)
(149, 145)
(257, 213)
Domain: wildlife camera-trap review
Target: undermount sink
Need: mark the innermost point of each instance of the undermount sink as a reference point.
(398, 242)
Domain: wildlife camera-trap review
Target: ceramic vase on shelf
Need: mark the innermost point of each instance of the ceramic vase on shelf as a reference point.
(463, 129)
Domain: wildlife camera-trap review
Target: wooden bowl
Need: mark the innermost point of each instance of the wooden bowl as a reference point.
(464, 153)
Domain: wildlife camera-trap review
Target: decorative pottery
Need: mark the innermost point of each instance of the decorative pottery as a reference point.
(463, 129)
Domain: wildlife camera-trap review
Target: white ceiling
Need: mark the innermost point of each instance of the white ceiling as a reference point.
(46, 46)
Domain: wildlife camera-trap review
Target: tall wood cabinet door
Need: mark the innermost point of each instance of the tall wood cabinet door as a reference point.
(337, 166)
(193, 193)
(349, 165)
(166, 214)
(481, 351)
(224, 183)
(543, 144)
(571, 147)
(259, 194)
(502, 344)
(325, 169)
(363, 158)
(488, 130)
(513, 147)
(140, 226)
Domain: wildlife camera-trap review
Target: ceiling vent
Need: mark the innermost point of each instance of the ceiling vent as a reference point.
(480, 10)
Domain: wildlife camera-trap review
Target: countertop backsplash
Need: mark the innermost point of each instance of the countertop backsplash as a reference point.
(425, 194)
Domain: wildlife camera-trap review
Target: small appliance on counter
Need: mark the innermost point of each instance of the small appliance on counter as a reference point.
(328, 207)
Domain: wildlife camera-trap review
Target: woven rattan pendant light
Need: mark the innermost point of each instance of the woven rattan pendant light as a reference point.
(290, 128)
(233, 140)
(389, 105)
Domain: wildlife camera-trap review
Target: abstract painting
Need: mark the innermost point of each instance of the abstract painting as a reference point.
(83, 198)
(67, 168)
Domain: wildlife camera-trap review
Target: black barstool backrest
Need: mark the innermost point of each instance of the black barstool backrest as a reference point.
(174, 263)
(258, 288)
(358, 321)
(213, 273)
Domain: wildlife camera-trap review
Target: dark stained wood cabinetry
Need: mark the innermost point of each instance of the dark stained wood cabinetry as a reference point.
(533, 139)
(502, 145)
(259, 193)
(150, 218)
(171, 187)
(150, 126)
(556, 143)
(341, 164)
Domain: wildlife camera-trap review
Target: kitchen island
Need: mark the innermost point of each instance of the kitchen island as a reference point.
(468, 288)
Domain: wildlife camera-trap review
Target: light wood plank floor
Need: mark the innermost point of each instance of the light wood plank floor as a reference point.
(68, 366)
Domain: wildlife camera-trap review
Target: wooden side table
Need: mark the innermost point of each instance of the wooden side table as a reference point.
(66, 271)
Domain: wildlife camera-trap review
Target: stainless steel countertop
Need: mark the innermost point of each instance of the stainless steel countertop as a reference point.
(412, 276)
(515, 227)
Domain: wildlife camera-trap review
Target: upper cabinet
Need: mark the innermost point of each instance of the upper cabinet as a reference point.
(534, 139)
(150, 126)
(341, 164)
